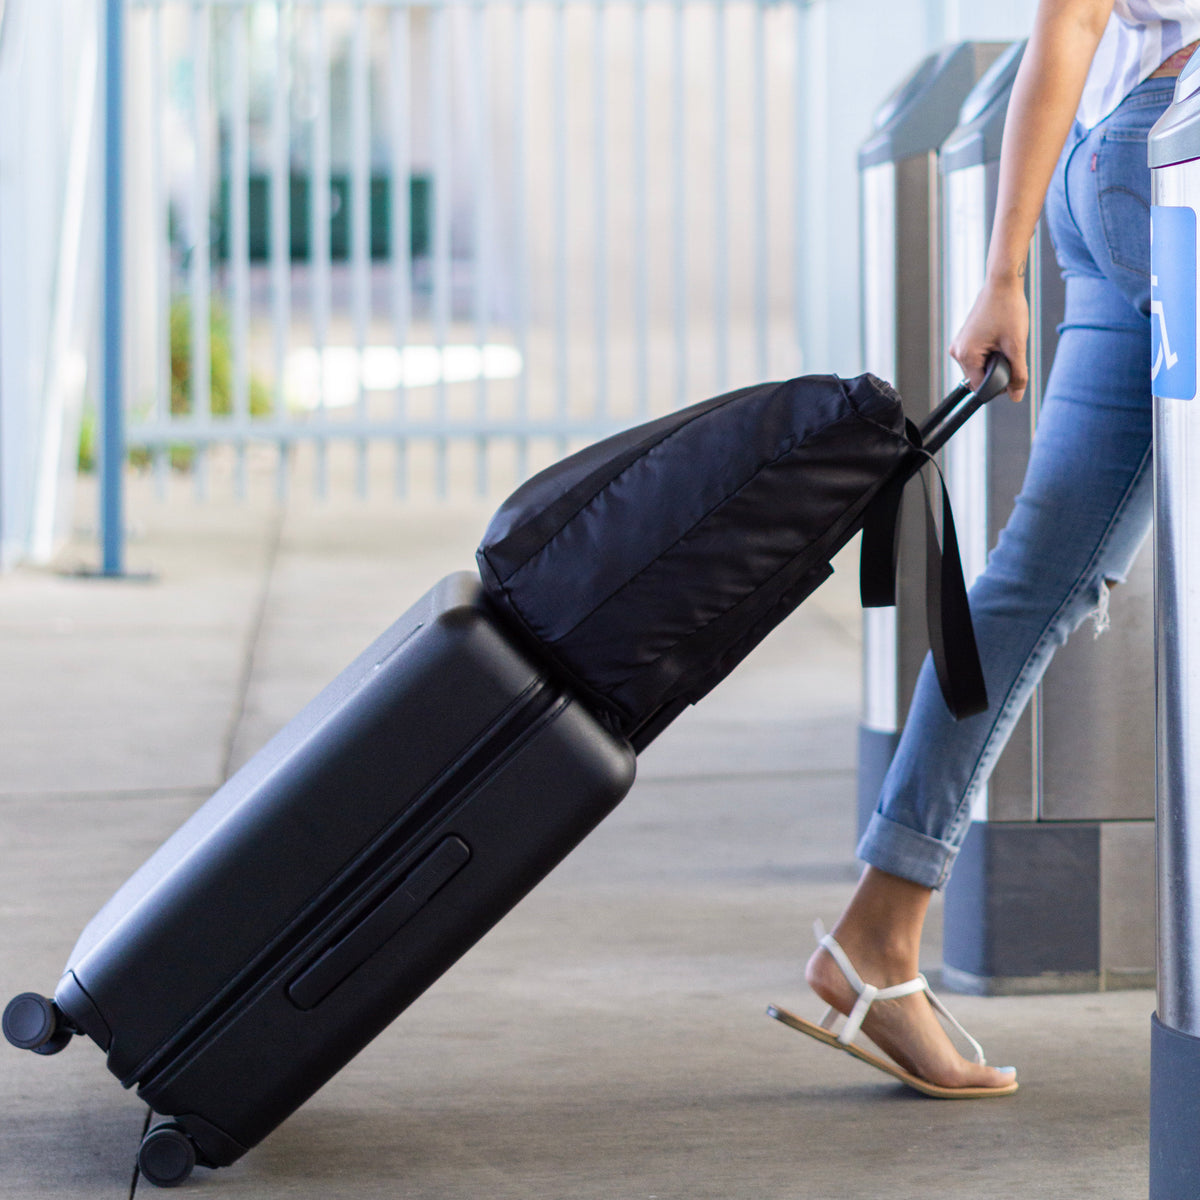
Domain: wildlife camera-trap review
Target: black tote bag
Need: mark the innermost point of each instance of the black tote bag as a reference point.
(647, 565)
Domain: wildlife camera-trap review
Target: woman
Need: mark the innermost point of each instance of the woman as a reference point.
(1095, 76)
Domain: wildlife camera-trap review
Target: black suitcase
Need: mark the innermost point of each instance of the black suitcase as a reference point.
(358, 855)
(318, 893)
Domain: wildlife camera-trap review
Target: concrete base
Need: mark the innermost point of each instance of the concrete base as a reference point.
(875, 750)
(1051, 906)
(1174, 1112)
(1048, 983)
(1023, 909)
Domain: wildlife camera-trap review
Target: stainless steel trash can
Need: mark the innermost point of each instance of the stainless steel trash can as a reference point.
(1175, 1038)
(1053, 888)
(901, 331)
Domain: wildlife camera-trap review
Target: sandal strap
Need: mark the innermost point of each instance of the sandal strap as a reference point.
(868, 993)
(976, 1048)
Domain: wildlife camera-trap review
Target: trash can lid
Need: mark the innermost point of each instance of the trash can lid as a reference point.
(981, 120)
(923, 109)
(1175, 137)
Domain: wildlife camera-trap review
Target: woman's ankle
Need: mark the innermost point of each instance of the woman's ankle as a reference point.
(882, 956)
(881, 926)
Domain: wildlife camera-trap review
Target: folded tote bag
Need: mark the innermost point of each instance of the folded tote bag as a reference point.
(646, 566)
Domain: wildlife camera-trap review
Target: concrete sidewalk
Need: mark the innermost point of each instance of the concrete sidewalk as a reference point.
(608, 1039)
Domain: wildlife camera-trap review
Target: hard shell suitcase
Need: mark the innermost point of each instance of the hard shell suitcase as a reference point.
(334, 877)
(365, 848)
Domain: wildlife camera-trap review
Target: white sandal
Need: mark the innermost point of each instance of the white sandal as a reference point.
(867, 995)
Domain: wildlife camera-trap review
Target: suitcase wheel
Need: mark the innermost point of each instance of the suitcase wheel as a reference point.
(31, 1022)
(167, 1155)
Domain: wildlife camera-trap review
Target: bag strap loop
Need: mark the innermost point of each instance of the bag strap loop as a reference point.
(947, 611)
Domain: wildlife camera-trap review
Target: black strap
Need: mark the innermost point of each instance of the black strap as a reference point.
(948, 615)
(880, 550)
(879, 554)
(947, 612)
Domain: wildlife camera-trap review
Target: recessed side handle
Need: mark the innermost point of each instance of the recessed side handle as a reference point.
(398, 906)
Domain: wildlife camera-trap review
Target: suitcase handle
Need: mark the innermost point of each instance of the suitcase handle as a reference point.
(951, 415)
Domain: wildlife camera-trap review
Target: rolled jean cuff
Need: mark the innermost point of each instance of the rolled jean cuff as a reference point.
(901, 851)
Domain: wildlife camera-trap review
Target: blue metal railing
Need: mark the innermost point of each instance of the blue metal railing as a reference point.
(112, 458)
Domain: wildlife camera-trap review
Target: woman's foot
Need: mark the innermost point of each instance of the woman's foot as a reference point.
(906, 1029)
(880, 932)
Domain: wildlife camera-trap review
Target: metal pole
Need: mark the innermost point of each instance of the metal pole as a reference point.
(1174, 149)
(1177, 443)
(112, 516)
(1175, 1028)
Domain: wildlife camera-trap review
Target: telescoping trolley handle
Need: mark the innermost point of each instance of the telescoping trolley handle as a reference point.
(952, 414)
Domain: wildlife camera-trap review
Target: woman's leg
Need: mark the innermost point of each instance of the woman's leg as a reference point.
(1083, 512)
(1081, 516)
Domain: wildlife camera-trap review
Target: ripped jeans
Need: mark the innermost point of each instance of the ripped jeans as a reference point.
(1083, 511)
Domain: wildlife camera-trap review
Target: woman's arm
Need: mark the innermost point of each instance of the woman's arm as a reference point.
(1045, 96)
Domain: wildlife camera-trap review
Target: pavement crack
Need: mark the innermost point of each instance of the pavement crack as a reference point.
(250, 649)
(137, 1172)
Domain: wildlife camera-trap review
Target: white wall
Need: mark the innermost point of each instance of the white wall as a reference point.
(48, 203)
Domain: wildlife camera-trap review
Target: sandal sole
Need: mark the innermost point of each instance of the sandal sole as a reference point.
(882, 1064)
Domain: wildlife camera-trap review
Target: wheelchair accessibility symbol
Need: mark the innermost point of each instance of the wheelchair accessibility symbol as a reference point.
(1173, 302)
(1163, 356)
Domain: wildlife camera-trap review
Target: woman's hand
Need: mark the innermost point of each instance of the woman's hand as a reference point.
(1045, 96)
(998, 320)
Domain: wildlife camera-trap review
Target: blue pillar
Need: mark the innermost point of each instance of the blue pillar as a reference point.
(112, 454)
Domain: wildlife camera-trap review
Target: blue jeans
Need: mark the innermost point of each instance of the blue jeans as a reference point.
(1085, 506)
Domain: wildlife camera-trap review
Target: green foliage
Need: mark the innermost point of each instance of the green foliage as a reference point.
(220, 344)
(88, 427)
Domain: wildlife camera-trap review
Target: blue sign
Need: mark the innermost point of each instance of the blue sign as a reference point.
(1173, 302)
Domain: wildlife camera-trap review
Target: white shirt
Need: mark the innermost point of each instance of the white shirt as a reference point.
(1140, 35)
